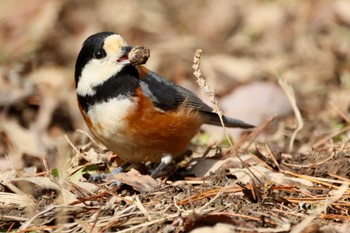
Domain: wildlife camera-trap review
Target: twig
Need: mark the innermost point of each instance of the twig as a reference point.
(255, 133)
(139, 205)
(317, 180)
(214, 198)
(46, 166)
(318, 163)
(310, 164)
(177, 206)
(10, 228)
(291, 97)
(272, 157)
(344, 179)
(71, 144)
(340, 112)
(335, 216)
(332, 135)
(95, 219)
(91, 138)
(37, 229)
(42, 213)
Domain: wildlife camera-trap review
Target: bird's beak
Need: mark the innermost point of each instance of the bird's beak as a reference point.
(124, 59)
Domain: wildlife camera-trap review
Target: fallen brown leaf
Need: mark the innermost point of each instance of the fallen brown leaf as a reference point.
(141, 183)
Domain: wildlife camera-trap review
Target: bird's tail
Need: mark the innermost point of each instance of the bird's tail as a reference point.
(228, 122)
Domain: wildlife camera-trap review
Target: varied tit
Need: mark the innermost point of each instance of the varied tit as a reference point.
(133, 111)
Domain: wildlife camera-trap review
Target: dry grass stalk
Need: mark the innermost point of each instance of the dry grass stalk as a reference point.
(272, 157)
(291, 97)
(211, 94)
(341, 113)
(312, 164)
(317, 180)
(208, 90)
(255, 133)
(71, 144)
(330, 136)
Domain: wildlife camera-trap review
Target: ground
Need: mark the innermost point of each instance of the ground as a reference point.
(281, 65)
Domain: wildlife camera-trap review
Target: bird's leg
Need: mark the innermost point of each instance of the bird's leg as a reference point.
(167, 165)
(99, 177)
(162, 168)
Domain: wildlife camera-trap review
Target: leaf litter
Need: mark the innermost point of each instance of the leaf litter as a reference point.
(273, 179)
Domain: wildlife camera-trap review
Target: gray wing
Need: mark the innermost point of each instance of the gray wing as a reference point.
(166, 95)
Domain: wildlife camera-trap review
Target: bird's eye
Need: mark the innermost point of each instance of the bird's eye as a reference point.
(98, 54)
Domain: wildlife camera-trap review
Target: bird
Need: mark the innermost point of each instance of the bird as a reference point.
(134, 112)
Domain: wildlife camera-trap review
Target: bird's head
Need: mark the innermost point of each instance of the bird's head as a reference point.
(102, 56)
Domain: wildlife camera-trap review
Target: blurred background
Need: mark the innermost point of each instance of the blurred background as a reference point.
(247, 46)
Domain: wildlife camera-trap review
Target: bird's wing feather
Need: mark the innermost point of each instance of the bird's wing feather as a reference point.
(167, 95)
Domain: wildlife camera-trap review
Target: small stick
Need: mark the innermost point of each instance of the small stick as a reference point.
(340, 112)
(291, 97)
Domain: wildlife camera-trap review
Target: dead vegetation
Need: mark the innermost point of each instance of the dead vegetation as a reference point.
(290, 174)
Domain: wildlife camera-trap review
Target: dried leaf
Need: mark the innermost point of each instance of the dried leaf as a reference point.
(37, 186)
(141, 183)
(207, 166)
(262, 173)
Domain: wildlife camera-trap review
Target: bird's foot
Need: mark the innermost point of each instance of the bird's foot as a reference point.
(98, 178)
